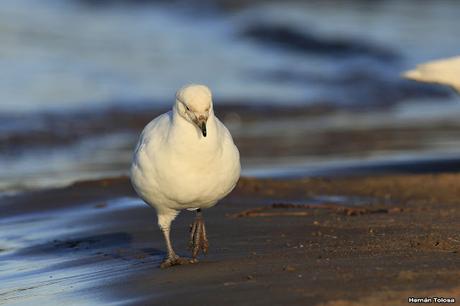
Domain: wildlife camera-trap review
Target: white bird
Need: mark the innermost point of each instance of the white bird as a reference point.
(443, 71)
(185, 159)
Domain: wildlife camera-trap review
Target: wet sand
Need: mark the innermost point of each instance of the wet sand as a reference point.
(336, 241)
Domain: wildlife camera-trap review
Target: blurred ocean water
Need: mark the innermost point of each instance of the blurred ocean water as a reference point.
(62, 59)
(65, 54)
(58, 55)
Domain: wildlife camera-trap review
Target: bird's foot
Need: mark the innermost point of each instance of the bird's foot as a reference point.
(198, 239)
(175, 261)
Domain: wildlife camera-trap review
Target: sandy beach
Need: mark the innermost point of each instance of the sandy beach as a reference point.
(345, 241)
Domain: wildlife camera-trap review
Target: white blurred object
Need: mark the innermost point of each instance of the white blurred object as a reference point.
(443, 71)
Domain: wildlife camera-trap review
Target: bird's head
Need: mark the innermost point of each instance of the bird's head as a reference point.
(194, 104)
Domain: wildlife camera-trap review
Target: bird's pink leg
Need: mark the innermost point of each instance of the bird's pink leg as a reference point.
(164, 221)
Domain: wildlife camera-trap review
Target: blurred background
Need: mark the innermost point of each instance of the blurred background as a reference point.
(306, 87)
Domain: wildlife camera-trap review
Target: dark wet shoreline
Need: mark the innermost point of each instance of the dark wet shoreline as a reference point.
(346, 247)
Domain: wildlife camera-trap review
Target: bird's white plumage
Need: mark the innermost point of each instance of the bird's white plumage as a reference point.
(443, 71)
(175, 167)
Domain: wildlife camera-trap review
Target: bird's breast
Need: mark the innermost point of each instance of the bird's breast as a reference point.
(192, 178)
(199, 179)
(183, 171)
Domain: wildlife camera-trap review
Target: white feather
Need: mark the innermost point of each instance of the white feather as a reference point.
(175, 167)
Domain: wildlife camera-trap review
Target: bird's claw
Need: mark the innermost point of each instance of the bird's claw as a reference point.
(175, 261)
(198, 238)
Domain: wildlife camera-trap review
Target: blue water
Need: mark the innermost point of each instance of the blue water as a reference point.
(64, 56)
(60, 55)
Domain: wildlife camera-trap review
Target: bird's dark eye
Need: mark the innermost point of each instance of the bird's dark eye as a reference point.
(187, 107)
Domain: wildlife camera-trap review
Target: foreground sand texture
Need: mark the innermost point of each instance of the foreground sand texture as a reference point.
(344, 241)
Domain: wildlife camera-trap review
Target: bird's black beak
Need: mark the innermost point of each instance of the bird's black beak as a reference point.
(203, 129)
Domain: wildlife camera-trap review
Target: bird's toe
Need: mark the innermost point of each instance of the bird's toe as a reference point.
(175, 261)
(204, 243)
(198, 238)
